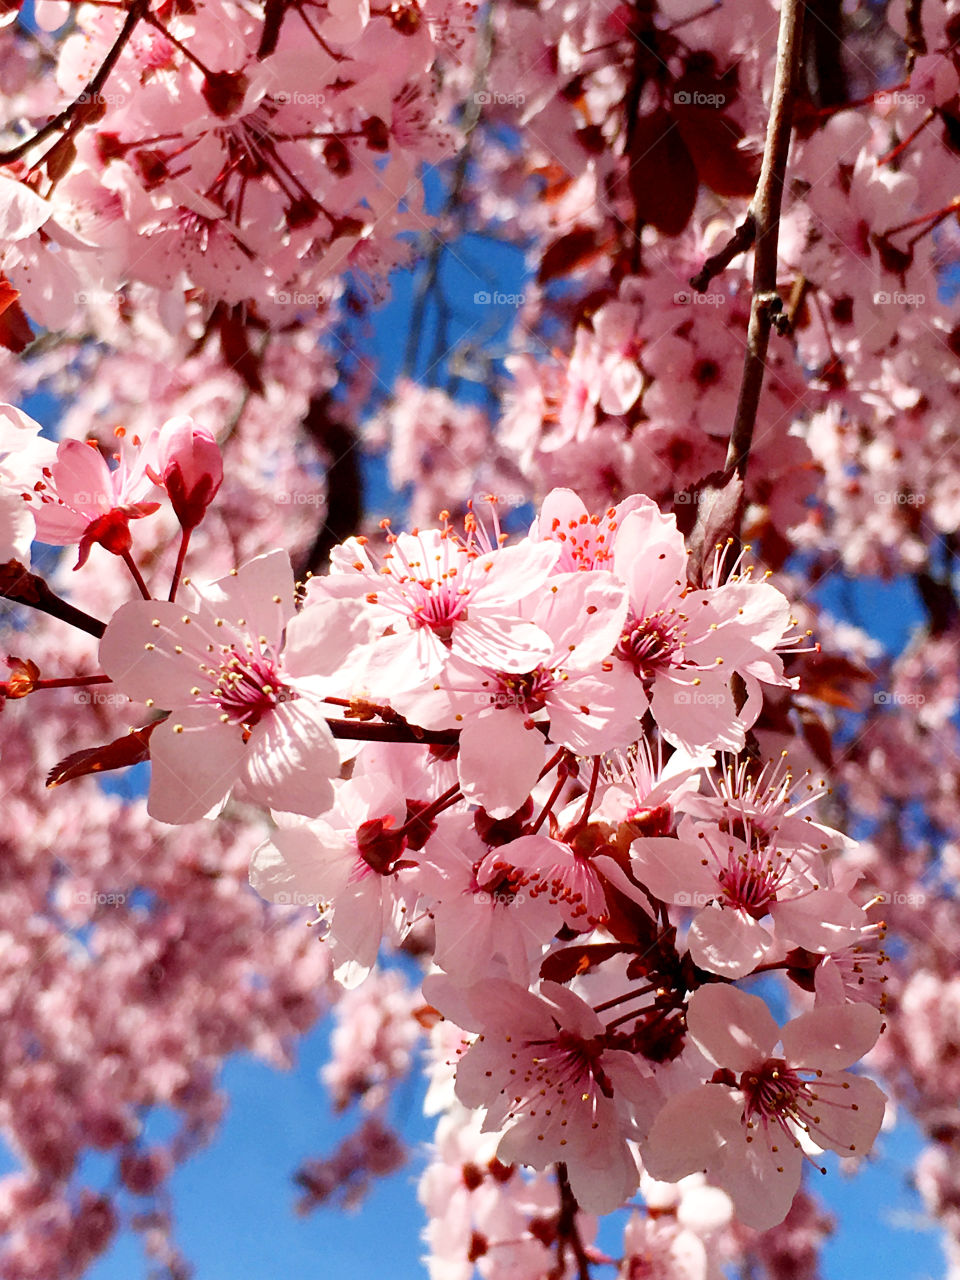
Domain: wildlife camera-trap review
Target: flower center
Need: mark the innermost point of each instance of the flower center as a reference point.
(649, 643)
(775, 1093)
(248, 686)
(750, 882)
(528, 692)
(438, 606)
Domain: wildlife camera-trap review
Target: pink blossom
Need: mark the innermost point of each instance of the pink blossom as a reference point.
(435, 599)
(540, 1069)
(190, 468)
(352, 864)
(746, 1128)
(244, 679)
(80, 499)
(735, 883)
(584, 698)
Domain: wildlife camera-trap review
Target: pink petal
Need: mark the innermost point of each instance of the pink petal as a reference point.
(291, 758)
(516, 572)
(499, 642)
(728, 941)
(733, 1029)
(761, 1182)
(825, 920)
(850, 1118)
(689, 1131)
(322, 637)
(831, 1037)
(499, 760)
(673, 870)
(583, 613)
(82, 478)
(257, 598)
(143, 659)
(192, 771)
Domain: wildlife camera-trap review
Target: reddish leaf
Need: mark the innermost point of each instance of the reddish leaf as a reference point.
(8, 294)
(132, 748)
(817, 736)
(717, 509)
(832, 678)
(237, 352)
(572, 250)
(662, 176)
(713, 141)
(15, 332)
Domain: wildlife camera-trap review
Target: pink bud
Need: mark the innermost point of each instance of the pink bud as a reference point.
(191, 468)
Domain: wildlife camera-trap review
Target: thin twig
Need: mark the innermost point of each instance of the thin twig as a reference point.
(89, 95)
(22, 587)
(739, 242)
(568, 1233)
(766, 213)
(367, 731)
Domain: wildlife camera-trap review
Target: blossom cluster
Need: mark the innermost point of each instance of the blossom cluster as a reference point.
(530, 757)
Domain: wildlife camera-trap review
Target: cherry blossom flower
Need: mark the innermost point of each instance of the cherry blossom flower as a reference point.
(583, 697)
(541, 1070)
(190, 468)
(80, 499)
(244, 680)
(747, 1127)
(485, 917)
(436, 598)
(735, 883)
(352, 864)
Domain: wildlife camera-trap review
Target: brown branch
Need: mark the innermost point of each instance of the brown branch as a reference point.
(338, 440)
(568, 1233)
(22, 587)
(913, 36)
(739, 242)
(367, 731)
(766, 212)
(90, 94)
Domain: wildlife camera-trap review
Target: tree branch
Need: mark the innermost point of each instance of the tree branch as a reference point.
(568, 1233)
(766, 213)
(739, 242)
(22, 587)
(90, 94)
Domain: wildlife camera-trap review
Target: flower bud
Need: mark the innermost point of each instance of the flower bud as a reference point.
(191, 468)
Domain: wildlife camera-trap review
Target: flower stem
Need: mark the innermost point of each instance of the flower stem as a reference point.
(128, 560)
(178, 569)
